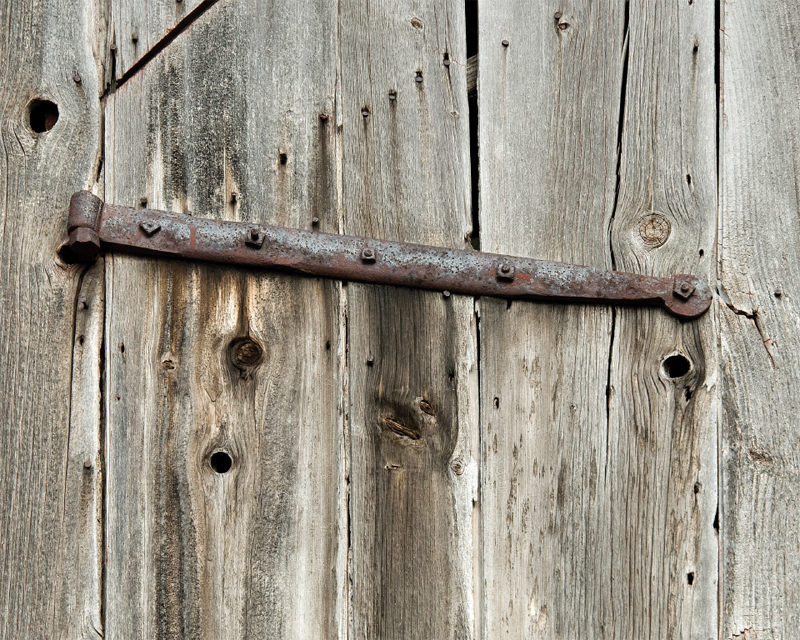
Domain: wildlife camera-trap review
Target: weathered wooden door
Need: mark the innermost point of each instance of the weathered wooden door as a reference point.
(198, 451)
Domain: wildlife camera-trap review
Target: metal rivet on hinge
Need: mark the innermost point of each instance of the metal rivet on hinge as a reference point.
(683, 289)
(149, 227)
(254, 238)
(505, 271)
(368, 255)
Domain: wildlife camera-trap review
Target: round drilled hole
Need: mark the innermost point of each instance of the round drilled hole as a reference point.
(43, 115)
(221, 462)
(676, 366)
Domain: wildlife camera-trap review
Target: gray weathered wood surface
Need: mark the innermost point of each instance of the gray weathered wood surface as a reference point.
(619, 496)
(49, 565)
(598, 478)
(413, 413)
(258, 551)
(760, 353)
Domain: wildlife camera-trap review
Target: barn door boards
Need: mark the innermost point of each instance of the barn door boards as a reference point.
(93, 224)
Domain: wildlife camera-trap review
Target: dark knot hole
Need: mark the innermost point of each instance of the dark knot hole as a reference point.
(221, 462)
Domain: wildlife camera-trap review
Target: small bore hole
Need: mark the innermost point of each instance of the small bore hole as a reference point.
(496, 403)
(689, 179)
(676, 366)
(66, 254)
(122, 347)
(43, 115)
(697, 487)
(81, 340)
(690, 577)
(221, 462)
(702, 253)
(283, 158)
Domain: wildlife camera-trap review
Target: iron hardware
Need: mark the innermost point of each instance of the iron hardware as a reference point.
(94, 225)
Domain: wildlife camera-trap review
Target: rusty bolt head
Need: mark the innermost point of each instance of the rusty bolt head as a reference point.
(149, 227)
(254, 238)
(505, 271)
(85, 244)
(683, 289)
(368, 255)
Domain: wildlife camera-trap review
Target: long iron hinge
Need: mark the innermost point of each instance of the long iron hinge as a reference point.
(94, 225)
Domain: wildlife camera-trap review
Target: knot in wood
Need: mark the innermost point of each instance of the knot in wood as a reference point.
(654, 229)
(245, 353)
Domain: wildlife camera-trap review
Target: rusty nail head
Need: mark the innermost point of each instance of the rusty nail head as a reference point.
(370, 361)
(368, 255)
(234, 196)
(113, 47)
(87, 464)
(505, 43)
(82, 302)
(76, 77)
(365, 112)
(323, 116)
(149, 227)
(392, 96)
(446, 293)
(446, 62)
(505, 271)
(255, 238)
(419, 76)
(143, 201)
(315, 221)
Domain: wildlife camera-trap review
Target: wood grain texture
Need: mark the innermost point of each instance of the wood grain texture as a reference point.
(49, 571)
(759, 275)
(413, 409)
(204, 359)
(137, 27)
(598, 473)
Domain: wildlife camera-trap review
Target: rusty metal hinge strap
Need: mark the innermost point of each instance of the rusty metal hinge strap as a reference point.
(94, 225)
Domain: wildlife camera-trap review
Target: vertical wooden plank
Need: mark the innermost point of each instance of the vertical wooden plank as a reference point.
(411, 354)
(759, 287)
(599, 471)
(139, 27)
(663, 372)
(49, 574)
(208, 361)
